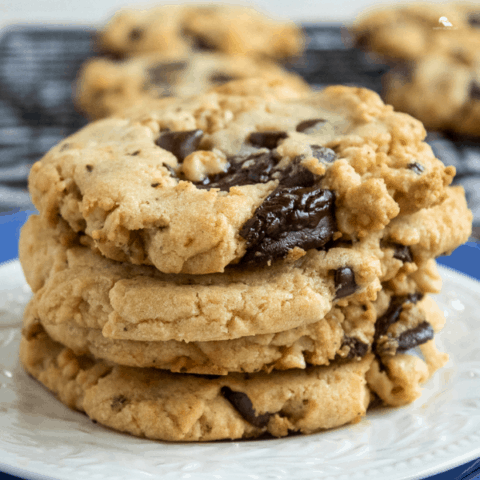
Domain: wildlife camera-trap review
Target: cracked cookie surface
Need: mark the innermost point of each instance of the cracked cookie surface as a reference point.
(183, 186)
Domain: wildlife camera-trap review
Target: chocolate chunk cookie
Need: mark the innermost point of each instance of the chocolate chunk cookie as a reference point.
(129, 302)
(234, 30)
(201, 183)
(106, 87)
(436, 50)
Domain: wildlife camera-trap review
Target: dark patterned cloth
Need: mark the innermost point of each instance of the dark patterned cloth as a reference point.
(38, 67)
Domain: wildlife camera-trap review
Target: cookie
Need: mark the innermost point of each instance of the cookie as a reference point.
(414, 31)
(176, 407)
(130, 302)
(345, 332)
(234, 30)
(209, 181)
(437, 51)
(106, 87)
(442, 92)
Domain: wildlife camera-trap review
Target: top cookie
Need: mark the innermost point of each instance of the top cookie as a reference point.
(207, 181)
(413, 31)
(177, 29)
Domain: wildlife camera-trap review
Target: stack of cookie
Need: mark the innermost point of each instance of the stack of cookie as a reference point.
(435, 51)
(183, 50)
(239, 263)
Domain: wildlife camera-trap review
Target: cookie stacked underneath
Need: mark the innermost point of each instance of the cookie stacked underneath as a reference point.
(233, 264)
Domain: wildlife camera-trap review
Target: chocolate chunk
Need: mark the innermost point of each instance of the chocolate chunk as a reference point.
(345, 283)
(474, 19)
(325, 155)
(416, 168)
(260, 170)
(165, 73)
(244, 407)
(118, 403)
(393, 313)
(181, 144)
(89, 168)
(306, 124)
(289, 217)
(135, 34)
(357, 348)
(266, 139)
(155, 185)
(202, 44)
(221, 78)
(422, 333)
(474, 90)
(403, 253)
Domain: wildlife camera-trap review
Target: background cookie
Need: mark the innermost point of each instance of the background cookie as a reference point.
(105, 87)
(231, 29)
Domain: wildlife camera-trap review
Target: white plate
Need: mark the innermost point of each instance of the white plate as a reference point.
(41, 438)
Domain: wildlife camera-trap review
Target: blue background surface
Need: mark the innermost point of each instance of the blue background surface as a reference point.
(465, 259)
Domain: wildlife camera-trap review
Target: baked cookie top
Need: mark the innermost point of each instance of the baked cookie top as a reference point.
(140, 303)
(106, 87)
(199, 183)
(413, 31)
(231, 29)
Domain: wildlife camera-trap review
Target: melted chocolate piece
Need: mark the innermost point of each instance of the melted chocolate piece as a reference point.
(289, 217)
(135, 34)
(393, 313)
(243, 405)
(325, 155)
(165, 73)
(345, 283)
(181, 144)
(306, 124)
(416, 168)
(266, 139)
(474, 91)
(358, 349)
(403, 253)
(118, 403)
(422, 333)
(261, 171)
(474, 19)
(221, 78)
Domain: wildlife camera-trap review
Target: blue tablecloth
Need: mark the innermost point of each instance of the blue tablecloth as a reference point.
(466, 259)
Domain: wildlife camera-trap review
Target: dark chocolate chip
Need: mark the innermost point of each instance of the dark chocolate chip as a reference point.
(266, 139)
(357, 348)
(289, 217)
(165, 73)
(474, 90)
(221, 78)
(155, 185)
(345, 283)
(89, 168)
(135, 153)
(244, 407)
(181, 144)
(135, 34)
(393, 312)
(202, 44)
(307, 124)
(118, 403)
(474, 19)
(422, 333)
(325, 155)
(297, 175)
(416, 168)
(403, 253)
(260, 171)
